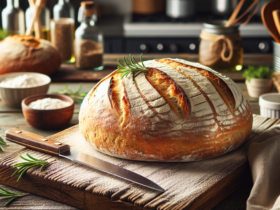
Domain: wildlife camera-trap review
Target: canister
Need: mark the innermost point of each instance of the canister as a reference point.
(270, 105)
(276, 56)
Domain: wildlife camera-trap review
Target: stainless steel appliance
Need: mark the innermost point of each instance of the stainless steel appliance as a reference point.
(180, 8)
(223, 7)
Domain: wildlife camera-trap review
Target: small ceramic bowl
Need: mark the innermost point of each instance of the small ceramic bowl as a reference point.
(48, 119)
(270, 105)
(13, 96)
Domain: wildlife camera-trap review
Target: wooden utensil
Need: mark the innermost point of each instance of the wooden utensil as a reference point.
(242, 19)
(37, 23)
(235, 13)
(267, 18)
(38, 6)
(276, 18)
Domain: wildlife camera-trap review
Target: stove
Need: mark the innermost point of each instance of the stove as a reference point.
(161, 34)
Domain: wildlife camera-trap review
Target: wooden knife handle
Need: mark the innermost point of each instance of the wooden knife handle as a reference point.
(36, 142)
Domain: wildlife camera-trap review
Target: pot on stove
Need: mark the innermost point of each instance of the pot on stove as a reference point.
(223, 7)
(180, 8)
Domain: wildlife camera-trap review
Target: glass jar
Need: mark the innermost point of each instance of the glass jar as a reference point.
(62, 37)
(64, 9)
(45, 21)
(221, 47)
(88, 40)
(13, 18)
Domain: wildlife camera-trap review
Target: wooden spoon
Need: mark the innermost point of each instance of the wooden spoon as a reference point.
(267, 18)
(37, 24)
(276, 18)
(39, 5)
(234, 14)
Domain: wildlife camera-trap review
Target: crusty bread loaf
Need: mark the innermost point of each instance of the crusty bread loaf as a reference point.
(28, 54)
(177, 111)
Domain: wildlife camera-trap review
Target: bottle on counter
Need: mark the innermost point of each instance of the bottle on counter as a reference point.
(44, 18)
(64, 14)
(13, 18)
(63, 9)
(88, 39)
(221, 47)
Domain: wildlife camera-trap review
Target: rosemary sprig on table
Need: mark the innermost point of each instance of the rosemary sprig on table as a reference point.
(7, 194)
(78, 96)
(130, 65)
(32, 162)
(2, 142)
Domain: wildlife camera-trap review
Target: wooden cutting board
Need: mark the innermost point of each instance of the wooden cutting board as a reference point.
(196, 185)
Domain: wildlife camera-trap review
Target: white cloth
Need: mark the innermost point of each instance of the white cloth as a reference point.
(264, 160)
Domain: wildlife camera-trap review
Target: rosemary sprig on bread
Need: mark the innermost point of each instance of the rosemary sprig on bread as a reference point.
(129, 65)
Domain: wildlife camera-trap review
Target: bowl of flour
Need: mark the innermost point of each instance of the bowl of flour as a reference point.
(14, 87)
(48, 111)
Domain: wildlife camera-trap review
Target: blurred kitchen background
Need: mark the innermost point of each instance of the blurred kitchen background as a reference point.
(165, 26)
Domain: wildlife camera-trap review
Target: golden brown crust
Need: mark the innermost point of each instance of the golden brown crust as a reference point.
(170, 91)
(219, 84)
(28, 54)
(139, 118)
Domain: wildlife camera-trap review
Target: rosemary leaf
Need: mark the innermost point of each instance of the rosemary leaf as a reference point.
(2, 142)
(142, 60)
(129, 65)
(7, 194)
(32, 162)
(78, 96)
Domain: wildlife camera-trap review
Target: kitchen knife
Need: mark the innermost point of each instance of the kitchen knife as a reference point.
(50, 146)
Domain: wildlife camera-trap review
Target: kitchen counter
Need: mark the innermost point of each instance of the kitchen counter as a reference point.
(68, 72)
(10, 118)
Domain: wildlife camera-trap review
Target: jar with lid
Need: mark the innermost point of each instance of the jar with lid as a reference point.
(88, 39)
(221, 47)
(13, 18)
(44, 18)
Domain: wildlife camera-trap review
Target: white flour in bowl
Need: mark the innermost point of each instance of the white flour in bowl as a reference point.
(49, 103)
(22, 81)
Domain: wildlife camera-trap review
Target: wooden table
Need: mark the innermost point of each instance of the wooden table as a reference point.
(13, 118)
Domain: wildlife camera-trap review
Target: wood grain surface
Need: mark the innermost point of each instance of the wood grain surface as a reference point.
(197, 185)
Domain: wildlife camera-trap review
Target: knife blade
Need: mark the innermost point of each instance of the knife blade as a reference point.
(50, 146)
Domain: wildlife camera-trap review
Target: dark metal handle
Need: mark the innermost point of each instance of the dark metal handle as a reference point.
(36, 142)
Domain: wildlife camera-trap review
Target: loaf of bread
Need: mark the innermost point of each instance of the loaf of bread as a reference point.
(177, 111)
(28, 54)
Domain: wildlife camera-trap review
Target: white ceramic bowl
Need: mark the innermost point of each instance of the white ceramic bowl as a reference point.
(13, 96)
(270, 105)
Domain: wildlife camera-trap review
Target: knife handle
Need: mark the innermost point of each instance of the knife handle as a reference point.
(36, 142)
